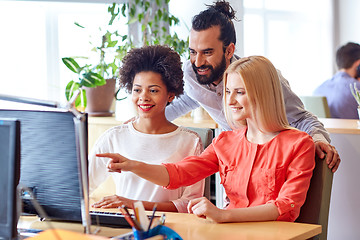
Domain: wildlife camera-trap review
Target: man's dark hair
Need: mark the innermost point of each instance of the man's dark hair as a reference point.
(157, 58)
(218, 14)
(347, 54)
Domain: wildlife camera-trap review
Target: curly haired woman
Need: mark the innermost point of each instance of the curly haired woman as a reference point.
(153, 76)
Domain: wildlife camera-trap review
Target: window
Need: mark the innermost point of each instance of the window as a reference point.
(37, 35)
(295, 35)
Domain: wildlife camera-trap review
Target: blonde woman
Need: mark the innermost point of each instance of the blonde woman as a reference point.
(264, 164)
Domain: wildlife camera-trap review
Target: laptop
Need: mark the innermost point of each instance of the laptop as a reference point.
(9, 176)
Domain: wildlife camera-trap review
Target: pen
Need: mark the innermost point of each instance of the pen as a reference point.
(162, 219)
(127, 217)
(137, 224)
(152, 216)
(136, 213)
(125, 236)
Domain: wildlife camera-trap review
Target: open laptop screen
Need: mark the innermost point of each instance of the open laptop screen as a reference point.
(49, 162)
(9, 176)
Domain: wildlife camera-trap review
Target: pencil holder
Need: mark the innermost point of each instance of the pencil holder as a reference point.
(166, 232)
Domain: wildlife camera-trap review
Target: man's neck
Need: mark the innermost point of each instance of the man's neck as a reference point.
(350, 71)
(215, 83)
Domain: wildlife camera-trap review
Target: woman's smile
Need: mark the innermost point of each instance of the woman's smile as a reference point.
(146, 107)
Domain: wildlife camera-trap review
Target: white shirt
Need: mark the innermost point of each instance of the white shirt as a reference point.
(149, 148)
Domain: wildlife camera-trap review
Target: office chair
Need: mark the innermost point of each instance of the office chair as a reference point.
(316, 207)
(206, 135)
(317, 105)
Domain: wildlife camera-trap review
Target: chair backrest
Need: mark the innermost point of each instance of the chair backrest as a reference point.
(317, 105)
(206, 135)
(316, 207)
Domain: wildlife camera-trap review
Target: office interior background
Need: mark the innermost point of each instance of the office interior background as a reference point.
(299, 37)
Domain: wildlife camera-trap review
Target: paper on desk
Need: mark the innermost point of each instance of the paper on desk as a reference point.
(141, 214)
(59, 234)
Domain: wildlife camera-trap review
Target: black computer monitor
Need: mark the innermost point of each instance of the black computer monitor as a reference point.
(9, 176)
(50, 161)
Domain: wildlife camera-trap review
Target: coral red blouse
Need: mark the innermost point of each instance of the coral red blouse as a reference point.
(278, 171)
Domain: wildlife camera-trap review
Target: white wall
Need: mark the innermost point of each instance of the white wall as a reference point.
(345, 195)
(349, 21)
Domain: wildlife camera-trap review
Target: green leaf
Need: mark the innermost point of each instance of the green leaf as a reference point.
(147, 6)
(159, 13)
(71, 64)
(123, 9)
(77, 24)
(176, 20)
(355, 92)
(111, 10)
(81, 101)
(132, 20)
(91, 79)
(112, 44)
(140, 16)
(70, 88)
(132, 11)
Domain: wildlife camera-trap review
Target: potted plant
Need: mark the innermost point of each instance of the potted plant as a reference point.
(356, 93)
(97, 78)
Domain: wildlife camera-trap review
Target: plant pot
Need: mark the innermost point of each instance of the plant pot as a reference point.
(100, 99)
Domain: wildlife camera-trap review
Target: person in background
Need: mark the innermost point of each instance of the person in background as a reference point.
(265, 165)
(212, 45)
(337, 91)
(154, 77)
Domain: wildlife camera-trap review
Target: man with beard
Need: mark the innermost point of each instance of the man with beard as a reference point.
(212, 46)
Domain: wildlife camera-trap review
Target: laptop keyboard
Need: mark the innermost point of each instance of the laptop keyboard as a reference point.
(108, 219)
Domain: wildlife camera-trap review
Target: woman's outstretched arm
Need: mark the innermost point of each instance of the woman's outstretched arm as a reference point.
(154, 173)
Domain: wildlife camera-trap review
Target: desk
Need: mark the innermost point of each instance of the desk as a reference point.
(342, 126)
(190, 227)
(345, 195)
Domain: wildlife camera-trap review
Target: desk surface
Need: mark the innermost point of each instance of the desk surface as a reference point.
(190, 227)
(344, 126)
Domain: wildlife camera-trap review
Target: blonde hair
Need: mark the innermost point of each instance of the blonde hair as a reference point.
(264, 93)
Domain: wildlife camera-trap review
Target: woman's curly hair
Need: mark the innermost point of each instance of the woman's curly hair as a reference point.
(156, 58)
